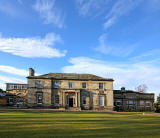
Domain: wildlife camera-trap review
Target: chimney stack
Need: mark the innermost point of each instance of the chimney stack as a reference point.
(31, 72)
(123, 89)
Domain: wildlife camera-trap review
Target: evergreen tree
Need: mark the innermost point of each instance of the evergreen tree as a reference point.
(1, 90)
(157, 104)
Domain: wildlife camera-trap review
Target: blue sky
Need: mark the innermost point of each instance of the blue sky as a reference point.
(114, 39)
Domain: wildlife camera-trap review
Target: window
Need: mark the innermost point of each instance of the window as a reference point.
(10, 86)
(141, 103)
(70, 84)
(38, 84)
(130, 96)
(23, 86)
(19, 86)
(127, 102)
(15, 86)
(83, 85)
(101, 100)
(10, 100)
(148, 103)
(56, 84)
(100, 85)
(131, 102)
(119, 102)
(39, 98)
(84, 100)
(57, 99)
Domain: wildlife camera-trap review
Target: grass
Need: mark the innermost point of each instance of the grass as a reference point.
(41, 124)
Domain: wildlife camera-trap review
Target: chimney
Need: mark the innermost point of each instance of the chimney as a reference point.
(123, 89)
(31, 72)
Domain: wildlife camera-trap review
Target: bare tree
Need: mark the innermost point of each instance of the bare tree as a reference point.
(141, 88)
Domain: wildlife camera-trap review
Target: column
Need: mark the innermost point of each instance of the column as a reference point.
(64, 99)
(78, 99)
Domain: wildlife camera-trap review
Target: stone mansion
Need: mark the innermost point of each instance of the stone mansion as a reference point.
(70, 91)
(75, 92)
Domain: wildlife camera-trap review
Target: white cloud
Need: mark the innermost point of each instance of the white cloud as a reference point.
(5, 79)
(95, 6)
(32, 47)
(11, 79)
(2, 86)
(49, 12)
(148, 55)
(13, 70)
(113, 10)
(113, 50)
(126, 74)
(8, 9)
(121, 7)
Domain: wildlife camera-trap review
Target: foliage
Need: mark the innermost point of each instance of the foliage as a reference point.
(141, 88)
(157, 105)
(42, 124)
(1, 90)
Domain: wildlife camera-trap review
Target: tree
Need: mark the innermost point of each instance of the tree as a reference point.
(157, 104)
(141, 88)
(1, 90)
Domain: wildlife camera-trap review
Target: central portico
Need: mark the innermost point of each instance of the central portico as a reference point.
(71, 99)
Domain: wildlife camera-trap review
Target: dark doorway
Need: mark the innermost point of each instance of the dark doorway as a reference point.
(70, 102)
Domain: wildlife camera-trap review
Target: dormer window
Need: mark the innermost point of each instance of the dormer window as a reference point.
(100, 85)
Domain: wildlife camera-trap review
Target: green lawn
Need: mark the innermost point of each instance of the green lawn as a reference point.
(41, 124)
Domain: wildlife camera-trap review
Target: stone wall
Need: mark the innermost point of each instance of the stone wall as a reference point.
(92, 93)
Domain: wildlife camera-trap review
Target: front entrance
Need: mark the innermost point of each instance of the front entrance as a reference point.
(70, 102)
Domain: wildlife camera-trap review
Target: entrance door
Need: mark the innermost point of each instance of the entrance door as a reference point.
(70, 102)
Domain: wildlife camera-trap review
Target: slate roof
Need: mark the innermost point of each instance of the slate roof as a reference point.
(129, 91)
(70, 76)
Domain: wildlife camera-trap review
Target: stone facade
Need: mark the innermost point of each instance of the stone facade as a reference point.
(17, 94)
(127, 100)
(70, 91)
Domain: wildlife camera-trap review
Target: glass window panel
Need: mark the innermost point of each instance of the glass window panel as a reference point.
(101, 100)
(100, 85)
(70, 84)
(83, 85)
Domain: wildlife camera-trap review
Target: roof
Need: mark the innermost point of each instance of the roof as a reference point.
(17, 83)
(129, 91)
(70, 76)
